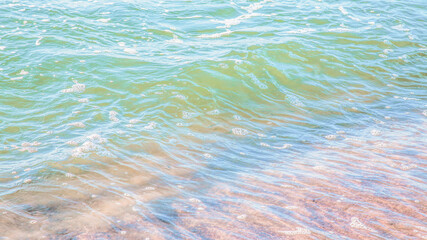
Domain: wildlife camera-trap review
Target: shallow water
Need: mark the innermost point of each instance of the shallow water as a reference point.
(213, 119)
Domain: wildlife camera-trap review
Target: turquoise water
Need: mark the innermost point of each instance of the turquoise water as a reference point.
(213, 119)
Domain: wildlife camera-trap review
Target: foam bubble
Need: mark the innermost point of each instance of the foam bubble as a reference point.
(113, 116)
(356, 223)
(342, 10)
(76, 88)
(69, 175)
(133, 121)
(375, 132)
(86, 147)
(284, 146)
(239, 131)
(150, 125)
(77, 124)
(175, 39)
(23, 72)
(130, 50)
(96, 138)
(28, 149)
(180, 96)
(255, 6)
(104, 20)
(331, 137)
(72, 143)
(30, 144)
(194, 200)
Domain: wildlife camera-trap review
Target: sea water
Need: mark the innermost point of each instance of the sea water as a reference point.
(237, 119)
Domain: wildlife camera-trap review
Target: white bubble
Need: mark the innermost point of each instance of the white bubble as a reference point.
(77, 124)
(194, 200)
(28, 144)
(180, 96)
(284, 146)
(331, 137)
(86, 147)
(130, 50)
(104, 20)
(375, 132)
(76, 88)
(23, 72)
(356, 223)
(28, 149)
(72, 143)
(133, 121)
(151, 125)
(96, 138)
(342, 10)
(239, 131)
(113, 116)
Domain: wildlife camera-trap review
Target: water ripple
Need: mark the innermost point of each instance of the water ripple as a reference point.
(212, 119)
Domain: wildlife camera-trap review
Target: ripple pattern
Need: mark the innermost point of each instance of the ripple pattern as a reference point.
(241, 119)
